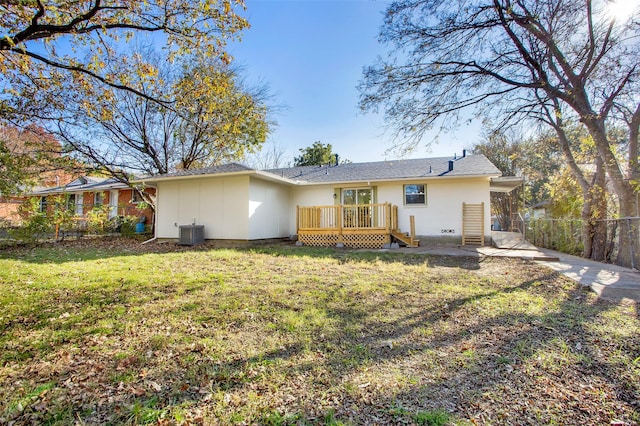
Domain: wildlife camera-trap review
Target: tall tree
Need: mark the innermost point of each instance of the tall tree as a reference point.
(270, 156)
(317, 154)
(576, 191)
(47, 44)
(506, 153)
(515, 59)
(31, 157)
(213, 119)
(59, 57)
(222, 118)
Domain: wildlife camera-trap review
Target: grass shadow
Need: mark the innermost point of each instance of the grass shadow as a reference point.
(262, 336)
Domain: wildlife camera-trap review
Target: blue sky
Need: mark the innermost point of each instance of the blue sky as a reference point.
(311, 53)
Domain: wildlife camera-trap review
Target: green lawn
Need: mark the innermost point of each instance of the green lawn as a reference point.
(110, 332)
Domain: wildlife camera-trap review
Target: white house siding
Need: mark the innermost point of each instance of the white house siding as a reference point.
(220, 204)
(268, 210)
(309, 195)
(443, 210)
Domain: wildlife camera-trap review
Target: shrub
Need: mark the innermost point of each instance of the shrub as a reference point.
(36, 226)
(128, 225)
(98, 220)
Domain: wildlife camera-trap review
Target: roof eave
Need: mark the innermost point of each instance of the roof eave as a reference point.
(158, 179)
(505, 184)
(274, 177)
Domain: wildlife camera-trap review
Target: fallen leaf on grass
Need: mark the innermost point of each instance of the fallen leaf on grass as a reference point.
(137, 391)
(156, 387)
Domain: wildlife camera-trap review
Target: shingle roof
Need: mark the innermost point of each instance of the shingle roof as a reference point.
(470, 165)
(85, 183)
(213, 170)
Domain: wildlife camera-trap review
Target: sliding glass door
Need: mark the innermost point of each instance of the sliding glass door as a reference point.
(357, 207)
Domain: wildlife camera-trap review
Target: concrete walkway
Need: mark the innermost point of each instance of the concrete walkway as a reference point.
(610, 282)
(510, 240)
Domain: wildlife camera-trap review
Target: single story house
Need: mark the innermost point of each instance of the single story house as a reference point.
(9, 207)
(354, 204)
(10, 203)
(87, 192)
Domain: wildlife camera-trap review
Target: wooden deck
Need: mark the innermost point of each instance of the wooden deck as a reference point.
(356, 226)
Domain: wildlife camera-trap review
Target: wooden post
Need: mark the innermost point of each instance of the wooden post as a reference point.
(387, 212)
(482, 221)
(339, 220)
(412, 226)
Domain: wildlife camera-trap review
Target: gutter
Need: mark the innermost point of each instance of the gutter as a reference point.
(257, 173)
(158, 179)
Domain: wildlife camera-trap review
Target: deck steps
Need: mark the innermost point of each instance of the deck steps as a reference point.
(405, 238)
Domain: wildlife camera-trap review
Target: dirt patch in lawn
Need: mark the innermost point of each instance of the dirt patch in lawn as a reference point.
(112, 332)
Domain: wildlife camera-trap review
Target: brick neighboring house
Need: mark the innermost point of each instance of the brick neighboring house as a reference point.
(10, 204)
(9, 210)
(48, 171)
(87, 192)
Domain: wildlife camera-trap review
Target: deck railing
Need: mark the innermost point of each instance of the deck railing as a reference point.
(348, 217)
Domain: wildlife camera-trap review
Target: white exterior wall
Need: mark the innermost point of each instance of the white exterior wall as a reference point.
(246, 208)
(443, 210)
(312, 195)
(269, 212)
(220, 204)
(444, 205)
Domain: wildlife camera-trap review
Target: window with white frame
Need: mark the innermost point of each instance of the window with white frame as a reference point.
(357, 196)
(98, 199)
(71, 202)
(135, 197)
(113, 203)
(415, 194)
(79, 203)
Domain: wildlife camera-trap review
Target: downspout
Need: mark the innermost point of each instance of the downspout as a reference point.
(148, 241)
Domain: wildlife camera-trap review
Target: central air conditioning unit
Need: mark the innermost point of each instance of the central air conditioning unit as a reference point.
(191, 235)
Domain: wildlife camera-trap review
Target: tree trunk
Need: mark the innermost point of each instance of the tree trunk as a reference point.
(628, 250)
(502, 205)
(594, 210)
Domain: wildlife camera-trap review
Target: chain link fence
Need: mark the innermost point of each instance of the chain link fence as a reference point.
(42, 229)
(566, 236)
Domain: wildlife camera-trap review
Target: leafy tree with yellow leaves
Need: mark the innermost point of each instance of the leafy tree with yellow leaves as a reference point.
(44, 45)
(77, 68)
(214, 118)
